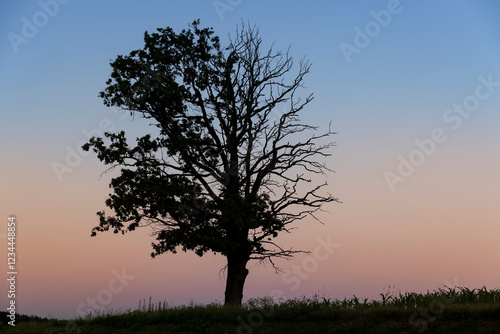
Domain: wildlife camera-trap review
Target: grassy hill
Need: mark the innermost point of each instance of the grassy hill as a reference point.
(450, 310)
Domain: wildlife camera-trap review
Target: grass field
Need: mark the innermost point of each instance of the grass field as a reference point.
(446, 310)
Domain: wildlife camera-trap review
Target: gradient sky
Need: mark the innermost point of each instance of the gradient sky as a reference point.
(407, 77)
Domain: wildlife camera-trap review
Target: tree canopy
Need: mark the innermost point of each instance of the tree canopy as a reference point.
(225, 174)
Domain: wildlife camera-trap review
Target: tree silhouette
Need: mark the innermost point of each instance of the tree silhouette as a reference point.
(223, 175)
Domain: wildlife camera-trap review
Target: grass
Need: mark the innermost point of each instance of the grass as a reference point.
(446, 310)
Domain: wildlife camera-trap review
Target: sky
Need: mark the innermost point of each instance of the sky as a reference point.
(412, 89)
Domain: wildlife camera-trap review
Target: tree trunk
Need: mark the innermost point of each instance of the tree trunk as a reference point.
(236, 275)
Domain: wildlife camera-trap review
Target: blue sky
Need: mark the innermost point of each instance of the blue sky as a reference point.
(395, 90)
(426, 56)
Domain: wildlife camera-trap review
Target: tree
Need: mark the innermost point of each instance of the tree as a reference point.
(222, 175)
